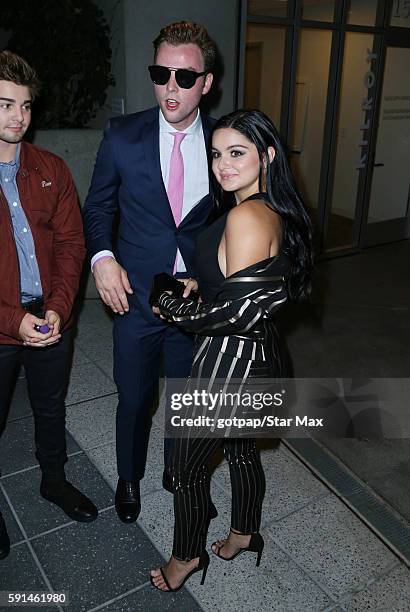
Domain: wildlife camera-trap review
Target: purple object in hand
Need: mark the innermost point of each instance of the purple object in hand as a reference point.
(43, 329)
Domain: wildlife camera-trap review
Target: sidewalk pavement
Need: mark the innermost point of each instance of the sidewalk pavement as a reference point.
(318, 555)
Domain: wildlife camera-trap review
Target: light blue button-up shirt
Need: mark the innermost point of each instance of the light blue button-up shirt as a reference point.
(30, 283)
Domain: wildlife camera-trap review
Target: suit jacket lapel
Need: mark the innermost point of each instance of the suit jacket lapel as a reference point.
(207, 129)
(151, 149)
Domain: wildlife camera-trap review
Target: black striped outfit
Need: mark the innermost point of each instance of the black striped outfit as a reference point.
(236, 339)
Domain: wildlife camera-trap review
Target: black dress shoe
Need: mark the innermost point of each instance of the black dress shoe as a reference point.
(76, 505)
(4, 539)
(128, 500)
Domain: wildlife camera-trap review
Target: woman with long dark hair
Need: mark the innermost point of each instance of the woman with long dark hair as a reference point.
(250, 261)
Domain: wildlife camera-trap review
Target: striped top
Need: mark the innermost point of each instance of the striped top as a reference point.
(244, 301)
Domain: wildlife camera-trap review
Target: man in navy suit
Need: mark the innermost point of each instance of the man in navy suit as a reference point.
(148, 164)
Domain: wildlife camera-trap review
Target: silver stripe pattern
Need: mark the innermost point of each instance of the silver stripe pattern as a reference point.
(237, 345)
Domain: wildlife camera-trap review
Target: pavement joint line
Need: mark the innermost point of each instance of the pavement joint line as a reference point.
(91, 448)
(346, 597)
(97, 365)
(19, 418)
(221, 487)
(64, 525)
(90, 399)
(119, 597)
(302, 569)
(36, 466)
(297, 509)
(17, 544)
(362, 492)
(30, 547)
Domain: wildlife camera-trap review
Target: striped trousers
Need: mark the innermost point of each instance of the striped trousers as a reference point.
(190, 457)
(191, 490)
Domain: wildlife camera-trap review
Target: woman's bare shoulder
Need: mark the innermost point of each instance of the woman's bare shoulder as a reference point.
(254, 215)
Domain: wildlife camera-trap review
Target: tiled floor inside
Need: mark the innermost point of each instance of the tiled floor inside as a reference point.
(318, 555)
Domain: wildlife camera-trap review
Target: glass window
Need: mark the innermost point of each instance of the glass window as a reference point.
(265, 47)
(390, 185)
(318, 10)
(356, 101)
(400, 15)
(306, 139)
(362, 12)
(271, 8)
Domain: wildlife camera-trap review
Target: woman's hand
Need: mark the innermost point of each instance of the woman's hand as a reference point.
(190, 285)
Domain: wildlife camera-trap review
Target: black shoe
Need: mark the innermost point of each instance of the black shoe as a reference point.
(4, 539)
(203, 565)
(76, 505)
(256, 544)
(128, 500)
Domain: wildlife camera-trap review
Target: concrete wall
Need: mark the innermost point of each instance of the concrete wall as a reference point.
(78, 149)
(114, 15)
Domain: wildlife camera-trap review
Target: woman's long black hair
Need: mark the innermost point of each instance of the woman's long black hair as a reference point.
(283, 197)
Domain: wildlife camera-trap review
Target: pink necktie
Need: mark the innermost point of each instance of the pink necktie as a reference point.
(175, 189)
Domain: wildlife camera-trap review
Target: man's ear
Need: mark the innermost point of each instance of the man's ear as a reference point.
(207, 83)
(271, 153)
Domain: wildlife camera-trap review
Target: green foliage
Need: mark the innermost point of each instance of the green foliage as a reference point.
(67, 42)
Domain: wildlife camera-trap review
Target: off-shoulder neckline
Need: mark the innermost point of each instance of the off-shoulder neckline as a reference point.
(257, 264)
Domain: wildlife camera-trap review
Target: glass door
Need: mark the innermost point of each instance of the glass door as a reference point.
(388, 216)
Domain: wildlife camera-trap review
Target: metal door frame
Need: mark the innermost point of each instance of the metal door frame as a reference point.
(383, 35)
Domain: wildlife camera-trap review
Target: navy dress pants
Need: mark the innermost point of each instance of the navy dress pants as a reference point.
(139, 351)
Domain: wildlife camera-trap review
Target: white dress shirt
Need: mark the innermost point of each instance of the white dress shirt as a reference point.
(196, 180)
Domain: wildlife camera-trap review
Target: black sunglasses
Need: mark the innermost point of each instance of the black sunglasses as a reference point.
(186, 79)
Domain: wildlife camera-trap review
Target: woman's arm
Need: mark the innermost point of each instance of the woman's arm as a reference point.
(232, 316)
(247, 241)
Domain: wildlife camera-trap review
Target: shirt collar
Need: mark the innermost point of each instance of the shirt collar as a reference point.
(15, 161)
(194, 128)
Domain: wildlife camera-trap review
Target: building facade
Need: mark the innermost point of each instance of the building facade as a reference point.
(334, 76)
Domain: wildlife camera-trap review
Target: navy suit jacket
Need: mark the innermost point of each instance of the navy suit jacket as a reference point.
(127, 180)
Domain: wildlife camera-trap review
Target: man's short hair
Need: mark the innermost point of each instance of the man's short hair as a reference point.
(187, 32)
(15, 69)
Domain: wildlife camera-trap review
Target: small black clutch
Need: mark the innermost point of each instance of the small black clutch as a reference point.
(164, 282)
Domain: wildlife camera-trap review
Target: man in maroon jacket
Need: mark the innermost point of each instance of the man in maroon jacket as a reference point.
(41, 256)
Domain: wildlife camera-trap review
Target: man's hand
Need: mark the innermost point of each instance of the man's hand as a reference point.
(190, 285)
(112, 284)
(54, 322)
(36, 339)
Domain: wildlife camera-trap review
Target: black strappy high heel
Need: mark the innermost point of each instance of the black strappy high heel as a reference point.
(256, 544)
(203, 565)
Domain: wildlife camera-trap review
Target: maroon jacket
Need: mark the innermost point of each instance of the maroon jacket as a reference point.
(50, 202)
